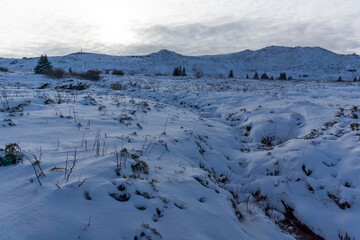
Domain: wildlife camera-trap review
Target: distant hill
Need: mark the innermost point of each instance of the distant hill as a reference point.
(298, 62)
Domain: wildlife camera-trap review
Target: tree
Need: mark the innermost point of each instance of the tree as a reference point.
(247, 76)
(264, 76)
(178, 71)
(256, 76)
(355, 79)
(339, 79)
(282, 76)
(43, 65)
(231, 74)
(183, 72)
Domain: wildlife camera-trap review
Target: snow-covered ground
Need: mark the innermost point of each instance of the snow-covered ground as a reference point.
(180, 158)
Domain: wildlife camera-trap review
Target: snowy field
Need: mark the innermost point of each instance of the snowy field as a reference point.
(141, 157)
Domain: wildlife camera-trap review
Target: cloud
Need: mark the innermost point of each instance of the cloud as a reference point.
(238, 25)
(199, 38)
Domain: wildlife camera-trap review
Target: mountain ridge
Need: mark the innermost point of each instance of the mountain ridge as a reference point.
(314, 62)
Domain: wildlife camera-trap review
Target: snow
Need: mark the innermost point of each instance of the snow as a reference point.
(215, 148)
(299, 62)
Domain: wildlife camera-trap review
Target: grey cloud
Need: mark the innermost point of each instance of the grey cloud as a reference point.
(196, 38)
(199, 39)
(57, 38)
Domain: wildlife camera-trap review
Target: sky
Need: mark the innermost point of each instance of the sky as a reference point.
(30, 28)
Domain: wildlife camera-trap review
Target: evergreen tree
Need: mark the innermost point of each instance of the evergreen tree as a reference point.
(247, 76)
(43, 65)
(231, 74)
(355, 79)
(339, 79)
(176, 71)
(264, 76)
(179, 71)
(70, 70)
(282, 76)
(256, 76)
(183, 72)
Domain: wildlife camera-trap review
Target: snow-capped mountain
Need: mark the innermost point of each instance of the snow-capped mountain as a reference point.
(298, 62)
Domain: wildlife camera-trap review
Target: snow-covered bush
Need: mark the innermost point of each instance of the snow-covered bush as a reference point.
(11, 154)
(140, 167)
(118, 86)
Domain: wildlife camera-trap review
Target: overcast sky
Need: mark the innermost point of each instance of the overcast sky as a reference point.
(191, 27)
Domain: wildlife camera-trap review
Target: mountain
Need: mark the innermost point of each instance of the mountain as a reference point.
(298, 62)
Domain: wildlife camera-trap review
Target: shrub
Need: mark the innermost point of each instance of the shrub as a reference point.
(117, 86)
(199, 74)
(3, 69)
(12, 155)
(282, 76)
(79, 86)
(118, 72)
(56, 73)
(45, 85)
(93, 75)
(43, 65)
(140, 167)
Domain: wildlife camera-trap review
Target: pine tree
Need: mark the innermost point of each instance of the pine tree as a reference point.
(256, 76)
(355, 79)
(231, 73)
(264, 76)
(70, 70)
(183, 72)
(176, 71)
(43, 65)
(340, 79)
(282, 76)
(247, 76)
